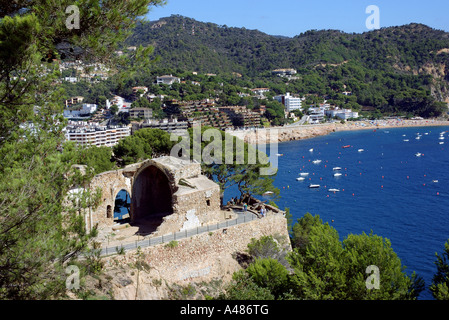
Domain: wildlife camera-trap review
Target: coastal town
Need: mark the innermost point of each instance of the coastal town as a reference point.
(118, 117)
(150, 156)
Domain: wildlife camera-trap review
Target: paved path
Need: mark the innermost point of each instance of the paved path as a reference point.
(151, 241)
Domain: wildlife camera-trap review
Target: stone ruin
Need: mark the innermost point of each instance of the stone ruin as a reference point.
(167, 195)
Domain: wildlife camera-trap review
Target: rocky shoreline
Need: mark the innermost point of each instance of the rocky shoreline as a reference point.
(292, 133)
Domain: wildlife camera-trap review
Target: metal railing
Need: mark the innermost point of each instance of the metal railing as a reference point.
(149, 241)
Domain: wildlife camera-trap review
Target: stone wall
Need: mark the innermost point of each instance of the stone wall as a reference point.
(110, 183)
(202, 258)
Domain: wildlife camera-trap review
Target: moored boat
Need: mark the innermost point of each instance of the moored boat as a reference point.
(337, 175)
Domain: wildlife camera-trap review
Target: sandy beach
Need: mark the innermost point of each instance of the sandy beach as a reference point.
(300, 132)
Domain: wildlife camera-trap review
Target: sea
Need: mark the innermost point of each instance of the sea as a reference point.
(391, 184)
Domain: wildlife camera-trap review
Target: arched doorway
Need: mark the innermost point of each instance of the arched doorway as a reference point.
(122, 205)
(152, 199)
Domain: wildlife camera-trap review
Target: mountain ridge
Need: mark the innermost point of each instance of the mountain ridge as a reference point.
(241, 48)
(403, 68)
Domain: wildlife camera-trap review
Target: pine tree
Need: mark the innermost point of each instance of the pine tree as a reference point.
(440, 282)
(42, 228)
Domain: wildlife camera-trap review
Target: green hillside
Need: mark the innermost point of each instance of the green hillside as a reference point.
(397, 69)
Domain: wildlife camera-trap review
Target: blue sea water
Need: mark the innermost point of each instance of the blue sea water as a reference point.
(385, 189)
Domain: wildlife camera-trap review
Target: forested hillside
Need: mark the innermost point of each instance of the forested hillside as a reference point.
(397, 69)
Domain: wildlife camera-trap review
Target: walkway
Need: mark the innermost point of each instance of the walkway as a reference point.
(149, 241)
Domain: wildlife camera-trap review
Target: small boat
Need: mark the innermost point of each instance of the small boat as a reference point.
(435, 181)
(314, 186)
(280, 154)
(304, 174)
(426, 133)
(418, 154)
(441, 138)
(316, 161)
(311, 150)
(404, 135)
(345, 147)
(301, 179)
(337, 174)
(406, 140)
(334, 190)
(361, 150)
(441, 142)
(268, 193)
(337, 169)
(417, 138)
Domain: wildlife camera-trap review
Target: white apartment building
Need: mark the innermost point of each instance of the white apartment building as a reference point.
(343, 114)
(86, 110)
(284, 72)
(94, 134)
(291, 103)
(316, 115)
(167, 79)
(117, 100)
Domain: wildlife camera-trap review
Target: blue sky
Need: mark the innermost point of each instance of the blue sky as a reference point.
(291, 17)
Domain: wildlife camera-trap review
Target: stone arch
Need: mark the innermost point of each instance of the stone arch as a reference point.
(152, 194)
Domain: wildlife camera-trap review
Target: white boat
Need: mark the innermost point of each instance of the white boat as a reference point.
(337, 169)
(304, 174)
(337, 174)
(316, 161)
(301, 179)
(418, 154)
(280, 154)
(361, 150)
(441, 138)
(435, 181)
(426, 133)
(404, 135)
(334, 190)
(314, 186)
(268, 193)
(441, 142)
(417, 138)
(311, 150)
(406, 140)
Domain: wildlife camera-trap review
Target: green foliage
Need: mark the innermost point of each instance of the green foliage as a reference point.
(321, 267)
(270, 274)
(243, 287)
(238, 164)
(143, 144)
(377, 67)
(42, 228)
(172, 244)
(97, 159)
(326, 268)
(440, 281)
